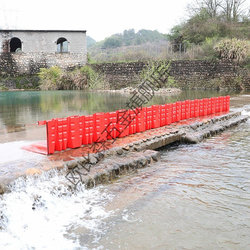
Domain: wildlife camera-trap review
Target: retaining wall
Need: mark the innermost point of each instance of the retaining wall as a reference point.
(188, 74)
(16, 64)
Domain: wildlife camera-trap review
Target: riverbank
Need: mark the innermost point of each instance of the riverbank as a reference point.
(130, 90)
(19, 83)
(124, 156)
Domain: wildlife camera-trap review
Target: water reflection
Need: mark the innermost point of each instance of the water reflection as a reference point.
(19, 109)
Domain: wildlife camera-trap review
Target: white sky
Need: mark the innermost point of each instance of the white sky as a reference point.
(99, 18)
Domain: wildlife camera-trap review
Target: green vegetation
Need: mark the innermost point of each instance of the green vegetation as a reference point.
(130, 37)
(55, 78)
(158, 70)
(90, 41)
(232, 49)
(19, 82)
(130, 46)
(209, 22)
(212, 25)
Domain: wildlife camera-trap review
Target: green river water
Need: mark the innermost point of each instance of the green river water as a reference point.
(195, 197)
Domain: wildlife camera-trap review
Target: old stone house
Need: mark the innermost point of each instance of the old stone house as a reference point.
(25, 51)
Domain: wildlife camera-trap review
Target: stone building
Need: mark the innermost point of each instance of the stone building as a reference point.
(28, 50)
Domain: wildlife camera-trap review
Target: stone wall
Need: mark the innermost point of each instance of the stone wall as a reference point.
(188, 74)
(44, 40)
(15, 64)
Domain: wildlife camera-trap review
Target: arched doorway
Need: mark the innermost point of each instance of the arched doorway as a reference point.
(62, 45)
(15, 44)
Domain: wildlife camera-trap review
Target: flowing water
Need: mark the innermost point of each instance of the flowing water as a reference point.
(195, 197)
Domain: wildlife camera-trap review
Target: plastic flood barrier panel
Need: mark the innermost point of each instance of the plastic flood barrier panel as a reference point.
(75, 131)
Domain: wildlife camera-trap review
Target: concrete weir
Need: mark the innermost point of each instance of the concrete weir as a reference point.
(126, 154)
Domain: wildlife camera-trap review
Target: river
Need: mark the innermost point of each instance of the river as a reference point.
(195, 197)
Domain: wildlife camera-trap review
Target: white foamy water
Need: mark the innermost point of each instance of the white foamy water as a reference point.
(246, 112)
(42, 213)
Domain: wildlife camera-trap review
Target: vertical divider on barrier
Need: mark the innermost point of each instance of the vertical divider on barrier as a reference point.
(140, 120)
(178, 111)
(163, 120)
(221, 104)
(173, 112)
(149, 118)
(132, 124)
(59, 135)
(74, 132)
(183, 110)
(228, 102)
(191, 108)
(197, 107)
(187, 105)
(82, 128)
(205, 106)
(155, 116)
(112, 122)
(201, 108)
(217, 107)
(100, 123)
(51, 136)
(209, 106)
(62, 134)
(213, 105)
(122, 116)
(91, 128)
(169, 113)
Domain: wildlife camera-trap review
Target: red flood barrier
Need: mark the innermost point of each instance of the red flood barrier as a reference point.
(75, 131)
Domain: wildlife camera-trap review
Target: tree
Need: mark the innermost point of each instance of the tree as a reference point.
(112, 42)
(211, 7)
(128, 36)
(232, 9)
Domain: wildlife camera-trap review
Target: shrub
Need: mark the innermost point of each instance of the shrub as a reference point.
(232, 50)
(49, 78)
(55, 78)
(158, 70)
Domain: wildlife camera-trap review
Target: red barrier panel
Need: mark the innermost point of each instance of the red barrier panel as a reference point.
(149, 114)
(217, 106)
(51, 136)
(213, 105)
(228, 102)
(224, 105)
(100, 123)
(156, 122)
(197, 107)
(163, 120)
(141, 120)
(74, 131)
(220, 103)
(62, 134)
(85, 131)
(209, 106)
(183, 110)
(191, 108)
(169, 112)
(82, 128)
(132, 124)
(123, 119)
(201, 108)
(178, 111)
(112, 128)
(187, 106)
(173, 112)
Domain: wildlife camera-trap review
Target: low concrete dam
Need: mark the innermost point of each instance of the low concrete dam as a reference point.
(191, 176)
